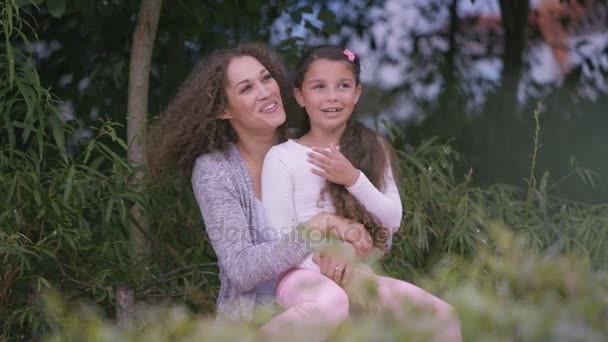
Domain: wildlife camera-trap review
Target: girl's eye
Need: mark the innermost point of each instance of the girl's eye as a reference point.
(345, 85)
(267, 77)
(317, 86)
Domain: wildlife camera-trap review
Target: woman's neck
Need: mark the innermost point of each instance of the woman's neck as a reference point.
(255, 147)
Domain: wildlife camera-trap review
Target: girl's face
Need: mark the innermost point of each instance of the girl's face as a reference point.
(254, 98)
(329, 94)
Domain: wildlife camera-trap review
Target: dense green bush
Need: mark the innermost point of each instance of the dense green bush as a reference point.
(64, 206)
(447, 215)
(510, 292)
(65, 210)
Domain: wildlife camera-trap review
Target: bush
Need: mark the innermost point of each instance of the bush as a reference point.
(511, 292)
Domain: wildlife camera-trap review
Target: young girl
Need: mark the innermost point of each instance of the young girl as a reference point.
(337, 166)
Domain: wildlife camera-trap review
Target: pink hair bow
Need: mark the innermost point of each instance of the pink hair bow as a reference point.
(349, 54)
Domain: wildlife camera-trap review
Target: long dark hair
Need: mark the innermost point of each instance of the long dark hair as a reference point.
(365, 149)
(190, 124)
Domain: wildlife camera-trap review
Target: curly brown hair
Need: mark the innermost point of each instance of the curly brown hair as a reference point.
(365, 149)
(190, 125)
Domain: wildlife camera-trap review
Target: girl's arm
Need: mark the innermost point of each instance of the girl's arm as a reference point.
(245, 264)
(385, 205)
(336, 168)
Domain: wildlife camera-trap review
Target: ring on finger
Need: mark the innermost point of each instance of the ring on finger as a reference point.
(341, 273)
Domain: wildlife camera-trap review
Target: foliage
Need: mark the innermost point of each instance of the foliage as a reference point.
(445, 215)
(64, 217)
(64, 211)
(510, 292)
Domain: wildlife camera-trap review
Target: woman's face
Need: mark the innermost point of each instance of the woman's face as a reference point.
(254, 98)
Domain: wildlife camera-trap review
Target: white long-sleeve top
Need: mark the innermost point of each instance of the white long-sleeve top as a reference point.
(291, 193)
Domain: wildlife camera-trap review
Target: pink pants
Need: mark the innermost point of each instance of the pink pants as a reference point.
(310, 298)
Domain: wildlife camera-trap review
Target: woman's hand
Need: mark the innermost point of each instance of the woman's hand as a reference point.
(335, 167)
(336, 262)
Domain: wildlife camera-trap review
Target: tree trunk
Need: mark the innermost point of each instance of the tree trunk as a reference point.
(125, 305)
(448, 102)
(515, 24)
(502, 105)
(137, 109)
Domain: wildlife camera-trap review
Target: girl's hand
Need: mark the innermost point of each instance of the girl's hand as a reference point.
(343, 229)
(335, 167)
(355, 234)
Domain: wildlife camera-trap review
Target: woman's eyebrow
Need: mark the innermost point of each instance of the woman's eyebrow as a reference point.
(248, 80)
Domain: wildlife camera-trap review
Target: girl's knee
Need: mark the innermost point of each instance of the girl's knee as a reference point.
(443, 307)
(314, 296)
(392, 290)
(335, 305)
(448, 312)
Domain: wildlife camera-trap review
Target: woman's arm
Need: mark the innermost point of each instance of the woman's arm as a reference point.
(245, 264)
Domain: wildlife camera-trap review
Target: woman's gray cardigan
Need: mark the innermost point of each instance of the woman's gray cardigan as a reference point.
(224, 191)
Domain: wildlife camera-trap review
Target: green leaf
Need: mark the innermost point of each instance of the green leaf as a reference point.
(544, 181)
(5, 89)
(90, 147)
(36, 194)
(307, 9)
(69, 182)
(115, 158)
(296, 17)
(116, 138)
(330, 29)
(30, 98)
(327, 16)
(58, 133)
(108, 211)
(93, 169)
(10, 130)
(40, 281)
(10, 56)
(134, 197)
(21, 3)
(12, 187)
(123, 211)
(56, 7)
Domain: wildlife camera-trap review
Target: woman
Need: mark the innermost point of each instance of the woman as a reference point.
(224, 118)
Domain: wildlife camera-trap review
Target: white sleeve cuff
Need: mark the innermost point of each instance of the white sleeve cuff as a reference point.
(360, 185)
